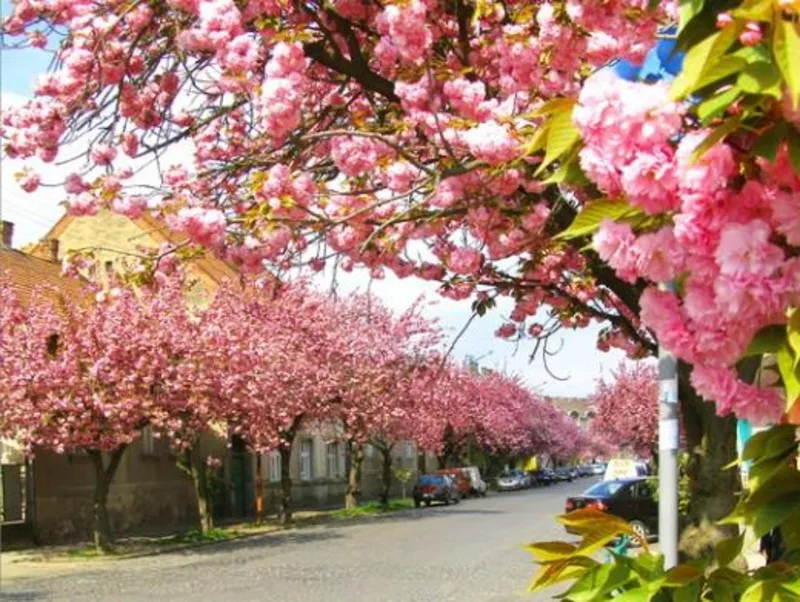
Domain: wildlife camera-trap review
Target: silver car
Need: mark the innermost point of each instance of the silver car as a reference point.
(513, 480)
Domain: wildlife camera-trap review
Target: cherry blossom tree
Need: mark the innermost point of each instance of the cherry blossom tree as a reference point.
(479, 145)
(278, 347)
(88, 374)
(384, 379)
(626, 408)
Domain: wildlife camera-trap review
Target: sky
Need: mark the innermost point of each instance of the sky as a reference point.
(579, 363)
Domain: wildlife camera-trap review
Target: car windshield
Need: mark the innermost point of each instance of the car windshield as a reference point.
(604, 489)
(432, 479)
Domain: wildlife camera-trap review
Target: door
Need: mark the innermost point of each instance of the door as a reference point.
(241, 491)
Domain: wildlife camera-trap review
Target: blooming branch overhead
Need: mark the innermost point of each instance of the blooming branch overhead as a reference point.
(476, 144)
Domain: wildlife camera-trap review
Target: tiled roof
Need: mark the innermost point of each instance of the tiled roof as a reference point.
(570, 404)
(27, 272)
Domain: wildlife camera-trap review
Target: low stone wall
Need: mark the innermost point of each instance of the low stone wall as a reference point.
(134, 509)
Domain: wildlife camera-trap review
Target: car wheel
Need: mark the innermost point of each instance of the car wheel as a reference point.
(427, 503)
(640, 529)
(447, 501)
(456, 499)
(417, 503)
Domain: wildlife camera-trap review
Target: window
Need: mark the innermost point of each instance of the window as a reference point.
(333, 463)
(305, 460)
(274, 467)
(148, 441)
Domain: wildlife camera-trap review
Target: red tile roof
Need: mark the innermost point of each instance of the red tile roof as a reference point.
(27, 273)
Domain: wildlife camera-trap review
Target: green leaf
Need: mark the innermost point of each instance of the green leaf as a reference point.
(688, 593)
(598, 582)
(755, 10)
(547, 551)
(786, 47)
(774, 513)
(700, 58)
(768, 143)
(760, 78)
(727, 65)
(717, 104)
(682, 575)
(562, 135)
(593, 214)
(718, 134)
(794, 150)
(687, 11)
(722, 590)
(793, 335)
(649, 565)
(786, 366)
(780, 440)
(756, 445)
(767, 340)
(727, 550)
(637, 594)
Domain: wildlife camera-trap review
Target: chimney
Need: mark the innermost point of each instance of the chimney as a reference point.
(53, 242)
(8, 234)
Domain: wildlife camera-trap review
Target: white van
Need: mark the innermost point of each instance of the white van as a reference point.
(624, 468)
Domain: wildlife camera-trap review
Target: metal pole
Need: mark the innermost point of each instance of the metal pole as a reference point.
(668, 456)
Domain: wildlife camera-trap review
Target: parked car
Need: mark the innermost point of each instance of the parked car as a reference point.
(573, 473)
(563, 474)
(435, 488)
(461, 479)
(625, 468)
(598, 469)
(633, 500)
(479, 486)
(584, 471)
(547, 476)
(513, 480)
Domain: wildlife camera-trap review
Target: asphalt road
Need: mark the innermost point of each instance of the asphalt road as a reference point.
(469, 552)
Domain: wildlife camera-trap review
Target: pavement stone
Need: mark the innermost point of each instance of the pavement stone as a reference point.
(468, 552)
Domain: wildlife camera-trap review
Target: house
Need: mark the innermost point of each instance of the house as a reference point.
(149, 492)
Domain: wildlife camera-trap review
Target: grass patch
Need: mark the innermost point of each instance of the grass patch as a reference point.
(372, 509)
(197, 536)
(88, 553)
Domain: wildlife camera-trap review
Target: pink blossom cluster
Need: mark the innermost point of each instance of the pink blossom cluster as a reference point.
(202, 226)
(627, 129)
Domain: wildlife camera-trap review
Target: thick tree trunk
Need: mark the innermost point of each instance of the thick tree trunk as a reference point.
(103, 476)
(198, 471)
(285, 450)
(353, 495)
(386, 475)
(711, 445)
(286, 484)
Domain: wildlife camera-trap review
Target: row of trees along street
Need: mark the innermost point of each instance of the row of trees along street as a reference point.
(494, 148)
(90, 373)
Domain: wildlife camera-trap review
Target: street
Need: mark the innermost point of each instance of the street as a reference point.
(465, 552)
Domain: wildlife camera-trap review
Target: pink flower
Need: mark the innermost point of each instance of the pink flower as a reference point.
(651, 183)
(465, 96)
(466, 261)
(724, 19)
(658, 256)
(202, 226)
(74, 184)
(28, 180)
(241, 54)
(752, 34)
(356, 155)
(103, 154)
(400, 176)
(786, 215)
(492, 142)
(281, 104)
(130, 144)
(614, 244)
(83, 204)
(506, 331)
(710, 173)
(129, 206)
(744, 250)
(408, 30)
